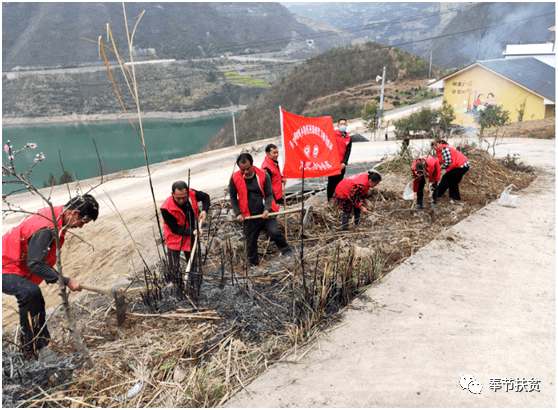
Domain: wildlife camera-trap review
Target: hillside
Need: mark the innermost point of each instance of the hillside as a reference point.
(456, 33)
(333, 83)
(50, 34)
(172, 87)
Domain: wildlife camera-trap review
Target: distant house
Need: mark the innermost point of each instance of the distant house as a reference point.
(508, 83)
(544, 52)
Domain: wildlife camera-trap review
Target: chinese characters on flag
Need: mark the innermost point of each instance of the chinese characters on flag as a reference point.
(309, 141)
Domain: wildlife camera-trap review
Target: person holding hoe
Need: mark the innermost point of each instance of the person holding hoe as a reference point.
(251, 194)
(28, 257)
(349, 193)
(180, 213)
(456, 165)
(425, 167)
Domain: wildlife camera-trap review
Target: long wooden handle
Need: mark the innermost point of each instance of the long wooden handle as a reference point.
(192, 253)
(288, 211)
(103, 291)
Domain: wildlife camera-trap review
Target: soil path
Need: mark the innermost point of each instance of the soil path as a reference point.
(478, 300)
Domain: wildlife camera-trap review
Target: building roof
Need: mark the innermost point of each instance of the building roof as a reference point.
(528, 72)
(529, 49)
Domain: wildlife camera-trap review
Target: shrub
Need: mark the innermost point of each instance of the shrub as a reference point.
(493, 116)
(369, 115)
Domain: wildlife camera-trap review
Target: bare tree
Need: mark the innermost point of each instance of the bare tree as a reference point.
(22, 184)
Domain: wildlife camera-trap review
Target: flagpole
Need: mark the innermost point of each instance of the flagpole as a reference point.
(282, 134)
(302, 237)
(284, 182)
(285, 206)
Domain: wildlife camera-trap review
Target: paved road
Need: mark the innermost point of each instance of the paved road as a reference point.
(478, 300)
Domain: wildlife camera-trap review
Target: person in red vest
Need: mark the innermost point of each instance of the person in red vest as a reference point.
(251, 194)
(456, 165)
(28, 257)
(180, 213)
(344, 145)
(349, 193)
(271, 166)
(426, 167)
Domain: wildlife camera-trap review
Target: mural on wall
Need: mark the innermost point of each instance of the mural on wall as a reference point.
(471, 91)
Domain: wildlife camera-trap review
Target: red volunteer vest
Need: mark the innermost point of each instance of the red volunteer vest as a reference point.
(343, 189)
(15, 243)
(457, 158)
(242, 191)
(276, 179)
(342, 143)
(433, 171)
(173, 240)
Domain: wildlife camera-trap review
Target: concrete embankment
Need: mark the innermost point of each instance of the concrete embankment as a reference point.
(120, 116)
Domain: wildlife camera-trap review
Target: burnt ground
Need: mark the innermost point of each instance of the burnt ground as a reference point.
(197, 343)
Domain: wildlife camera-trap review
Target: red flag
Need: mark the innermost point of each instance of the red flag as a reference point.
(310, 141)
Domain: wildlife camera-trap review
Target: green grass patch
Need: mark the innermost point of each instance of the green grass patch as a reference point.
(233, 77)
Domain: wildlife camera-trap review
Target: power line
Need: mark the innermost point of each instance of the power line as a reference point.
(329, 57)
(331, 33)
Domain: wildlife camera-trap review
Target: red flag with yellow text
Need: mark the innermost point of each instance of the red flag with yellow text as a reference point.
(309, 141)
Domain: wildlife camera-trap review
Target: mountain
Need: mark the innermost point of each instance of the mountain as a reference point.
(334, 83)
(457, 33)
(43, 35)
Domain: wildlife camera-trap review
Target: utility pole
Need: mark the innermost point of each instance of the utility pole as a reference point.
(379, 112)
(234, 126)
(430, 68)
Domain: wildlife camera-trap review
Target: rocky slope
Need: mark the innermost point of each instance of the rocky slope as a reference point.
(51, 34)
(456, 33)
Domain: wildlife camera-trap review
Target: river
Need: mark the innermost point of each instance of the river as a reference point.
(118, 144)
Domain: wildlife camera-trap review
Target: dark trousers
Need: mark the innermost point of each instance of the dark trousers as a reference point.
(420, 192)
(332, 182)
(31, 304)
(174, 258)
(347, 217)
(451, 181)
(252, 229)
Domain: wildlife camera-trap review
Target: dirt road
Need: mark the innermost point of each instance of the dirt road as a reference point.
(478, 300)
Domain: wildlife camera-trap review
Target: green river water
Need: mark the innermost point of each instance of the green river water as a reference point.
(119, 146)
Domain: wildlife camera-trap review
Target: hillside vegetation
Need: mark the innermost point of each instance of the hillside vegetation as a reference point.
(336, 82)
(172, 87)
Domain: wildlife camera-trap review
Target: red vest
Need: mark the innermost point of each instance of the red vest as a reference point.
(15, 243)
(343, 189)
(433, 171)
(342, 143)
(173, 240)
(242, 191)
(457, 158)
(276, 179)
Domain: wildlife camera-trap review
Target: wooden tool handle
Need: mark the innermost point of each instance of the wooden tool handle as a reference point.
(192, 254)
(103, 291)
(288, 211)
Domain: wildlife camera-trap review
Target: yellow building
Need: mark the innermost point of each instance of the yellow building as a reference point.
(525, 84)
